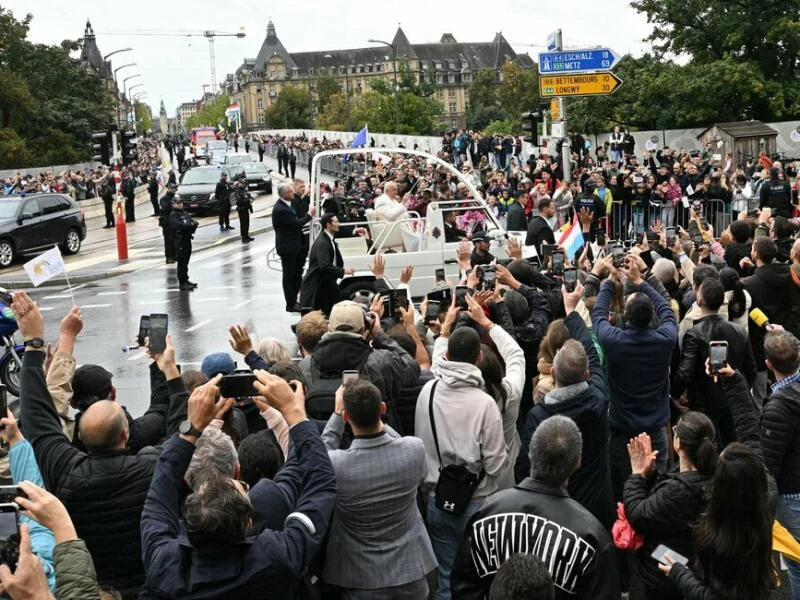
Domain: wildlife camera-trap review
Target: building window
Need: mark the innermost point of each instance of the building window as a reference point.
(369, 68)
(437, 65)
(466, 77)
(452, 106)
(452, 65)
(272, 90)
(379, 67)
(258, 90)
(311, 72)
(260, 103)
(439, 78)
(451, 78)
(261, 118)
(451, 93)
(342, 70)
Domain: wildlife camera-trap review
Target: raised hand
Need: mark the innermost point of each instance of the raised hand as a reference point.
(240, 339)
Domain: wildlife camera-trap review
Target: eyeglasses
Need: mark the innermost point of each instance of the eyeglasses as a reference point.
(245, 485)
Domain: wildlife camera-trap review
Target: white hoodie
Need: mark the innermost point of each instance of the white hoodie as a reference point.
(468, 425)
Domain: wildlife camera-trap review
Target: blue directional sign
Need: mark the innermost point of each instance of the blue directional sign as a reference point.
(577, 61)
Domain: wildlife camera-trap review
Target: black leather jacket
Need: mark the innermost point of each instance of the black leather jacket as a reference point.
(540, 519)
(703, 393)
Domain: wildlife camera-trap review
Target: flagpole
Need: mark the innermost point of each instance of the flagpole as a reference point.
(69, 285)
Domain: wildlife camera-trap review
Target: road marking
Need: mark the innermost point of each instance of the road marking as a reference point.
(199, 325)
(58, 297)
(241, 304)
(210, 299)
(112, 293)
(95, 306)
(222, 287)
(46, 308)
(138, 355)
(153, 301)
(75, 287)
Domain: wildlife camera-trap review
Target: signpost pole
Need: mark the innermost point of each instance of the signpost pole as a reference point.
(566, 155)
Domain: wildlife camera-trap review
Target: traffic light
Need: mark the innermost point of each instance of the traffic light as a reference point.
(530, 123)
(127, 147)
(102, 150)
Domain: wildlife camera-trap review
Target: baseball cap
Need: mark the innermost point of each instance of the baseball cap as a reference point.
(216, 363)
(346, 316)
(479, 237)
(91, 381)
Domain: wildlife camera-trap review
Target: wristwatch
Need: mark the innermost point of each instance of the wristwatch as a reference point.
(36, 342)
(186, 428)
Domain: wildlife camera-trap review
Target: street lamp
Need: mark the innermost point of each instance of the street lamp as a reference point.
(105, 58)
(394, 70)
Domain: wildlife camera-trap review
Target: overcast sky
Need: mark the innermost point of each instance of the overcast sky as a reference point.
(175, 68)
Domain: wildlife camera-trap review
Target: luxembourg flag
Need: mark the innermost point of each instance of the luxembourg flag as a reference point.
(571, 238)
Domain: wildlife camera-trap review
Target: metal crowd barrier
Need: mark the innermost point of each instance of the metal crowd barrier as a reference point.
(624, 219)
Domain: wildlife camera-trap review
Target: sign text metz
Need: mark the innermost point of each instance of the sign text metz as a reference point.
(577, 61)
(588, 84)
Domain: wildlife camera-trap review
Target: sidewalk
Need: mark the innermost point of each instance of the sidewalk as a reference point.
(97, 258)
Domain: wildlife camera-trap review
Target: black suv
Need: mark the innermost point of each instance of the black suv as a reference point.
(196, 188)
(37, 222)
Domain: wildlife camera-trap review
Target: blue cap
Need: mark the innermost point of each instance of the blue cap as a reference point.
(219, 362)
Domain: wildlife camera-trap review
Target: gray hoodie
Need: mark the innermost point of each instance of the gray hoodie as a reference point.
(468, 425)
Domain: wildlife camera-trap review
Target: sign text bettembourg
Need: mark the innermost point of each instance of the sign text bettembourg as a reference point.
(587, 84)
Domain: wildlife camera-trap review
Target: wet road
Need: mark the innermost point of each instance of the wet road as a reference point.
(235, 285)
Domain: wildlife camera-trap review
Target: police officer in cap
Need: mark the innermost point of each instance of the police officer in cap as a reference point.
(244, 206)
(223, 194)
(182, 228)
(163, 220)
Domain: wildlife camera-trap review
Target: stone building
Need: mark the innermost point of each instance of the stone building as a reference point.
(449, 64)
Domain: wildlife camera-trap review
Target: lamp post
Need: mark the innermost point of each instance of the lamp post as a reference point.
(394, 71)
(131, 103)
(117, 86)
(351, 59)
(116, 52)
(125, 91)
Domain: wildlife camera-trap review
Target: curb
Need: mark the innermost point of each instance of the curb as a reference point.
(90, 277)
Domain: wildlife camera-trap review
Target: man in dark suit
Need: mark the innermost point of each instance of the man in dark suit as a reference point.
(516, 219)
(319, 289)
(288, 228)
(539, 230)
(300, 203)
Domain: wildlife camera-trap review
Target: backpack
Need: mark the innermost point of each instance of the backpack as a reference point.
(322, 386)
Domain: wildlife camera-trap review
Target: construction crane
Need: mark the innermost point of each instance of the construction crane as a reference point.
(209, 35)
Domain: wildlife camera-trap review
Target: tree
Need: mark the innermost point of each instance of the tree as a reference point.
(144, 116)
(519, 89)
(49, 102)
(480, 117)
(291, 109)
(483, 89)
(334, 116)
(327, 86)
(501, 127)
(211, 114)
(759, 40)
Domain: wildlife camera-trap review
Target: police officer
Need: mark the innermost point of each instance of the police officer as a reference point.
(182, 228)
(292, 163)
(106, 187)
(223, 194)
(244, 206)
(776, 194)
(152, 189)
(163, 220)
(129, 193)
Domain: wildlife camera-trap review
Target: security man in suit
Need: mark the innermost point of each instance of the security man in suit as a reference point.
(319, 289)
(223, 193)
(292, 163)
(163, 220)
(182, 228)
(244, 206)
(288, 227)
(279, 156)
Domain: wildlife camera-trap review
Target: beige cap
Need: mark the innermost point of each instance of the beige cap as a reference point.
(346, 316)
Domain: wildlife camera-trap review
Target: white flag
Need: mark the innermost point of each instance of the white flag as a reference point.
(689, 190)
(45, 266)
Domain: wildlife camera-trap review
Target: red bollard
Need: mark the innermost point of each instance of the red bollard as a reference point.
(122, 233)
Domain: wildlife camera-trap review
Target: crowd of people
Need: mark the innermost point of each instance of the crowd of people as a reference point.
(565, 426)
(546, 434)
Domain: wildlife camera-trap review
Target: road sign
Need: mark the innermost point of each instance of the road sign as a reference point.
(554, 40)
(577, 61)
(587, 84)
(555, 109)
